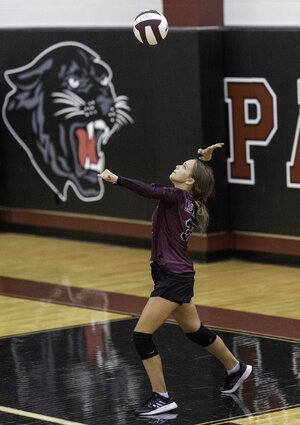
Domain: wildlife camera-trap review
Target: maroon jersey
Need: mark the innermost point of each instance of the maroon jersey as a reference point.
(173, 221)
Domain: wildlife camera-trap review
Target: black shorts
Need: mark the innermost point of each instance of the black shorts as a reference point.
(176, 287)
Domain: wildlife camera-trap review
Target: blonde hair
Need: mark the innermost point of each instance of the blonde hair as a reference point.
(203, 188)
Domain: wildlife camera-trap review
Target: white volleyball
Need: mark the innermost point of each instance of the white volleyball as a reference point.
(150, 27)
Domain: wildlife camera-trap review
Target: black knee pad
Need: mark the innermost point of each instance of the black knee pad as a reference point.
(203, 336)
(144, 345)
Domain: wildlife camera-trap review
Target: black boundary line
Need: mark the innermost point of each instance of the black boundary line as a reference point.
(259, 335)
(171, 321)
(132, 316)
(120, 319)
(243, 332)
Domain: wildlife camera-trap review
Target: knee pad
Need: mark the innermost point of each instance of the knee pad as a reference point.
(203, 336)
(144, 345)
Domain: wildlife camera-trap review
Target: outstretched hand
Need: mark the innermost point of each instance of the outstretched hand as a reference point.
(108, 176)
(206, 154)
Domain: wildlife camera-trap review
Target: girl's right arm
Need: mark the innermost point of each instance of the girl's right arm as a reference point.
(108, 176)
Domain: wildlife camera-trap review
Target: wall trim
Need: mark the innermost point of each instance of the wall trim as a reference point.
(103, 225)
(269, 243)
(141, 229)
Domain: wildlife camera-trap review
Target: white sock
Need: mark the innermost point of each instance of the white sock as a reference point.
(234, 369)
(164, 394)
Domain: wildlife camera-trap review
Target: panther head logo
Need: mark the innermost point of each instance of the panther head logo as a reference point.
(62, 110)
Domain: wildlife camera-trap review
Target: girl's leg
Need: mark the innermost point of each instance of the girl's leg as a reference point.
(187, 317)
(155, 313)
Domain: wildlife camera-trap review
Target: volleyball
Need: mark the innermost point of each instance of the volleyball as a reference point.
(150, 27)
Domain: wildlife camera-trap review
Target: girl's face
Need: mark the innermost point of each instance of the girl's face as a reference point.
(182, 172)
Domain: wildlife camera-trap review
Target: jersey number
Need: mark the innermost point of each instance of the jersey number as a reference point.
(190, 226)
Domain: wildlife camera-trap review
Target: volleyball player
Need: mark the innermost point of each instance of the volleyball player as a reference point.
(180, 210)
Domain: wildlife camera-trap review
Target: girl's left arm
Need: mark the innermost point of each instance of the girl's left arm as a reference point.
(141, 188)
(206, 154)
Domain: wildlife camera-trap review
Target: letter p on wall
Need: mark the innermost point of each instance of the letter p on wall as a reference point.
(252, 116)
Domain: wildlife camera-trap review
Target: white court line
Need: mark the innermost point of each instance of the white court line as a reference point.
(37, 416)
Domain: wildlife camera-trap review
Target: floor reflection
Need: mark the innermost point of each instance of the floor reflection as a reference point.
(163, 419)
(92, 375)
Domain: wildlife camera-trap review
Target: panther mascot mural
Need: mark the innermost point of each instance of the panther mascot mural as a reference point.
(68, 101)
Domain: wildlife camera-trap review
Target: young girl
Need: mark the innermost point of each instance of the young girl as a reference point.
(180, 210)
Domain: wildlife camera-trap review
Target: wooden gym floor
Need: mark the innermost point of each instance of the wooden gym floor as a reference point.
(67, 310)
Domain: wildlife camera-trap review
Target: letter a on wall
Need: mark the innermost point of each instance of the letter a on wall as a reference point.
(252, 115)
(293, 166)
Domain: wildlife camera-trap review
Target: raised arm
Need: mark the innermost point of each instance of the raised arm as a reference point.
(141, 188)
(206, 154)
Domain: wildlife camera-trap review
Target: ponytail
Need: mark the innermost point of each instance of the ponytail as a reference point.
(202, 215)
(202, 189)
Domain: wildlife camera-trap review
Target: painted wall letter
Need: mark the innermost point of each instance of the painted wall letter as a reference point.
(293, 166)
(252, 115)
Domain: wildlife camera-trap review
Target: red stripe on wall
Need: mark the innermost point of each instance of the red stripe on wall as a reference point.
(99, 225)
(275, 244)
(211, 242)
(191, 13)
(77, 222)
(104, 226)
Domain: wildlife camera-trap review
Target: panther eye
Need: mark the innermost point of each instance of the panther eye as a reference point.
(104, 81)
(73, 82)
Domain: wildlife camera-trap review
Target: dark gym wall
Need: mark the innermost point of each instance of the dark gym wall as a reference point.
(168, 100)
(176, 96)
(162, 84)
(262, 67)
(268, 205)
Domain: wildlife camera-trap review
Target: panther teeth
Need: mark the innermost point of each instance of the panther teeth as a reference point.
(95, 125)
(94, 167)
